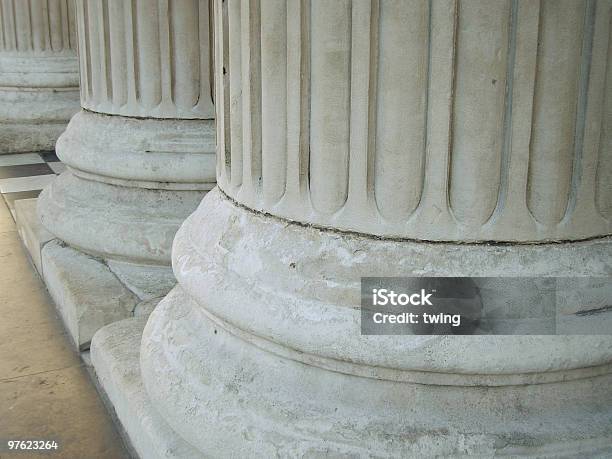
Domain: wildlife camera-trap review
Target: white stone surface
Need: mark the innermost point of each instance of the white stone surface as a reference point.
(146, 281)
(114, 354)
(141, 153)
(33, 235)
(444, 121)
(353, 138)
(157, 63)
(231, 395)
(118, 222)
(274, 308)
(146, 153)
(38, 74)
(86, 293)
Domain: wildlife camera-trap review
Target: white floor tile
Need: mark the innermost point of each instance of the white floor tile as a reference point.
(21, 158)
(37, 182)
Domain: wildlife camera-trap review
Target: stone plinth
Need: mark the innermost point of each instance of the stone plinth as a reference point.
(39, 75)
(141, 152)
(390, 139)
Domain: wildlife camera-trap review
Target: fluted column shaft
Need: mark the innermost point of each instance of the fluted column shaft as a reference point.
(38, 73)
(146, 58)
(37, 26)
(457, 121)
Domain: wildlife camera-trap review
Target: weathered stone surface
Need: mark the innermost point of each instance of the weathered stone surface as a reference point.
(112, 221)
(115, 356)
(233, 394)
(148, 153)
(145, 308)
(444, 121)
(274, 308)
(86, 293)
(33, 235)
(390, 139)
(300, 287)
(146, 281)
(38, 74)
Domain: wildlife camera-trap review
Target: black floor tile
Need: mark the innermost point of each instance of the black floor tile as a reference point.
(49, 156)
(25, 170)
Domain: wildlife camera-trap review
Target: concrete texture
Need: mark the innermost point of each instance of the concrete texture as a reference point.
(45, 392)
(115, 353)
(33, 235)
(87, 294)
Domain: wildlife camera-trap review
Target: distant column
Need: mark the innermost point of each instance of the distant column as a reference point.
(141, 152)
(39, 76)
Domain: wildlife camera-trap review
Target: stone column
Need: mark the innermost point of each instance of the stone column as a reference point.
(140, 153)
(38, 73)
(391, 138)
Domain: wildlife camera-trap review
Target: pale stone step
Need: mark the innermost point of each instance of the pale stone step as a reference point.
(115, 352)
(33, 235)
(86, 293)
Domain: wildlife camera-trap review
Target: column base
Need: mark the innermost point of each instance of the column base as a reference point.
(258, 350)
(33, 120)
(89, 292)
(130, 184)
(230, 397)
(124, 223)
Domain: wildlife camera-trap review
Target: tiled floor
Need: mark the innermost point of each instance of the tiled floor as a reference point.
(45, 391)
(24, 175)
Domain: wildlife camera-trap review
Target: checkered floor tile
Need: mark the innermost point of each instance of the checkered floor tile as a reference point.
(24, 175)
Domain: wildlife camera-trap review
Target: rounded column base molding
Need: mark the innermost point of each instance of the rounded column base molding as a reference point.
(144, 152)
(33, 119)
(39, 93)
(130, 183)
(299, 286)
(260, 343)
(115, 222)
(228, 396)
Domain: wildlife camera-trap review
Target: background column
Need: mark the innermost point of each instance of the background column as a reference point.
(39, 76)
(140, 154)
